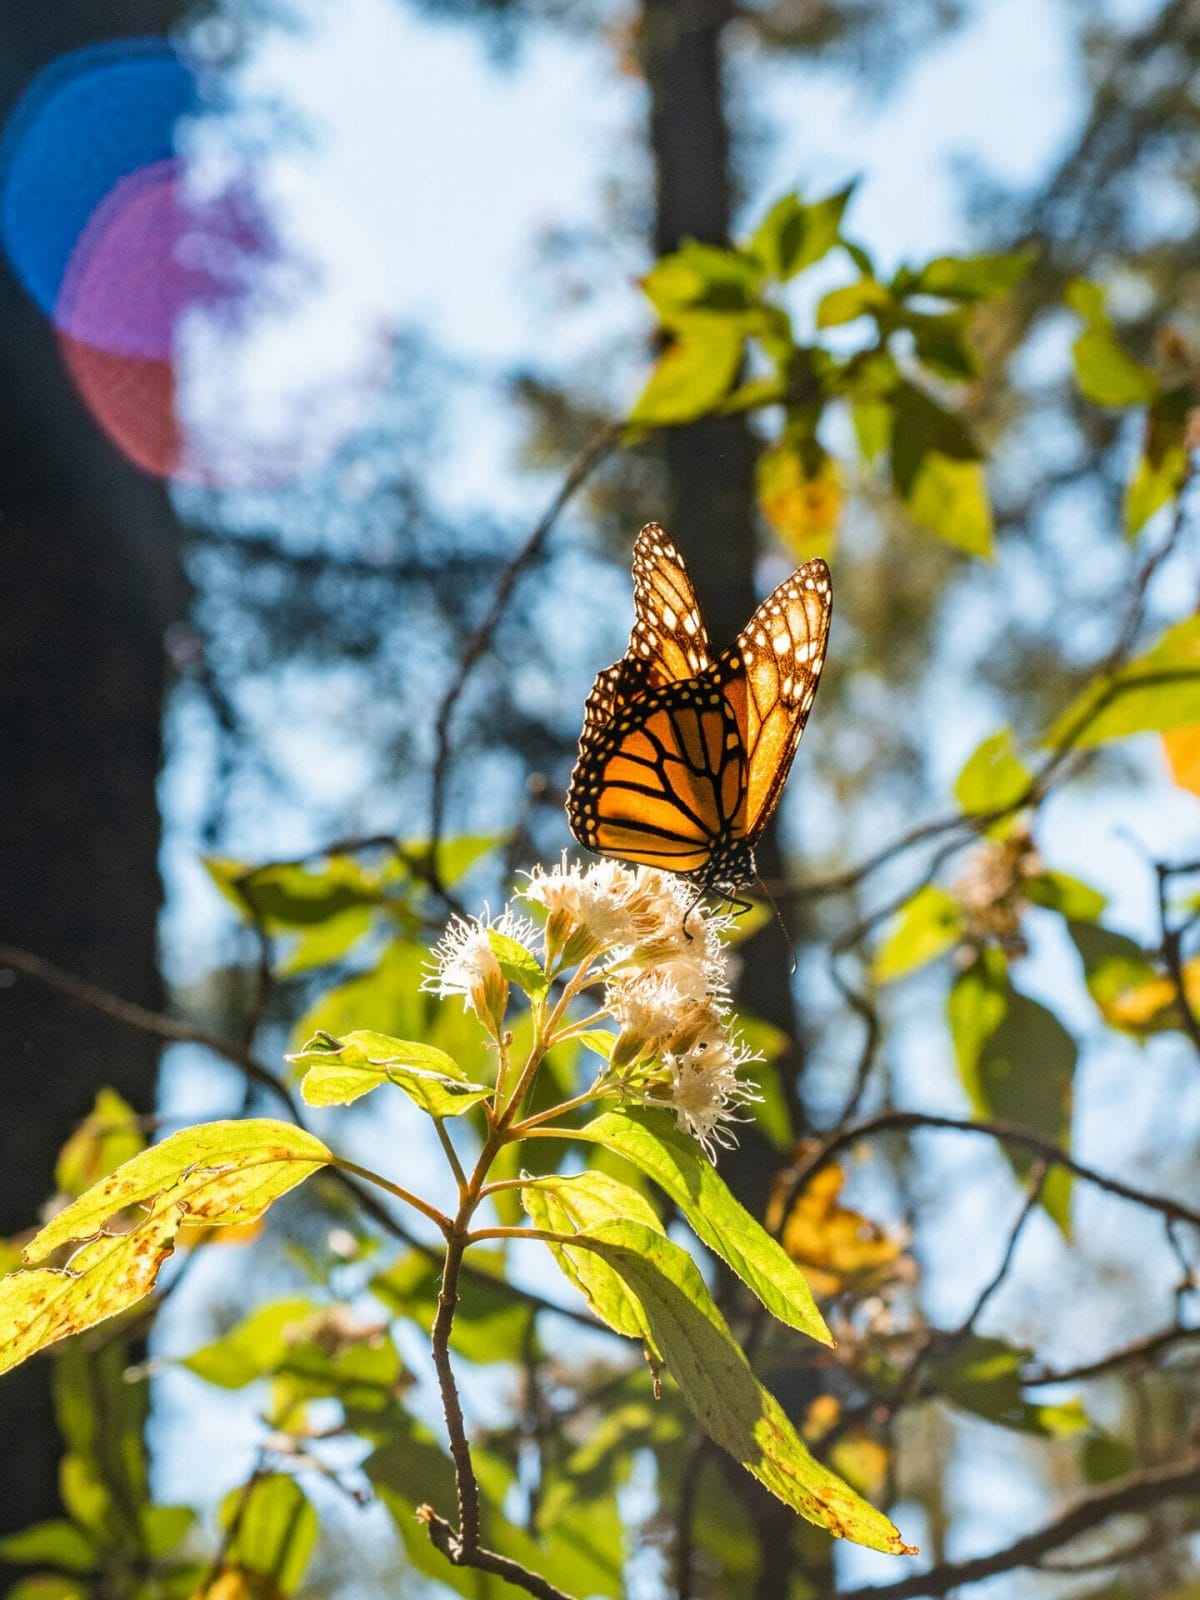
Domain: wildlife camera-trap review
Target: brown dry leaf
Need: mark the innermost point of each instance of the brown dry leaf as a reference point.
(836, 1247)
(1181, 746)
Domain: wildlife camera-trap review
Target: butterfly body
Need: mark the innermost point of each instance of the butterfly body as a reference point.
(682, 757)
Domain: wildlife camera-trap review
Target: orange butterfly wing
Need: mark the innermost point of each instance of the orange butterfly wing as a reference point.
(682, 759)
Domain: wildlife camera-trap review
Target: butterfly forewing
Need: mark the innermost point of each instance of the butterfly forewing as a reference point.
(773, 671)
(668, 631)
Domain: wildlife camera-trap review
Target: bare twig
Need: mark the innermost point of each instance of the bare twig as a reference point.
(1135, 1353)
(479, 641)
(1008, 1133)
(1139, 1491)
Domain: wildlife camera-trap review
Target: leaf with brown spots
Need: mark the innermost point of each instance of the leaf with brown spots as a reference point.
(121, 1231)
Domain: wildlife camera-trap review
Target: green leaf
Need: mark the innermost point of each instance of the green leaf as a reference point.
(1159, 690)
(703, 278)
(975, 1008)
(1023, 1073)
(649, 1140)
(950, 499)
(326, 942)
(929, 924)
(575, 1205)
(942, 345)
(517, 964)
(1104, 373)
(872, 421)
(1162, 467)
(288, 895)
(1115, 968)
(722, 1392)
(253, 1347)
(982, 1375)
(985, 277)
(53, 1544)
(110, 1134)
(994, 777)
(1058, 891)
(853, 301)
(274, 1530)
(792, 235)
(694, 374)
(215, 1175)
(340, 1070)
(48, 1586)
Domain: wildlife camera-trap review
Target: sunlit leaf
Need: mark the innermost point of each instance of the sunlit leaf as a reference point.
(982, 1375)
(517, 964)
(289, 895)
(575, 1205)
(693, 375)
(950, 499)
(1070, 897)
(931, 923)
(273, 1530)
(994, 777)
(800, 490)
(338, 1071)
(1181, 746)
(794, 235)
(218, 1174)
(387, 998)
(700, 278)
(1157, 691)
(110, 1134)
(650, 1141)
(53, 1544)
(984, 277)
(722, 1392)
(855, 300)
(253, 1347)
(836, 1247)
(1104, 373)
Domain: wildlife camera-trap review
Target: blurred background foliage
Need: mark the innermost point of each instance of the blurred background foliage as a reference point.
(255, 507)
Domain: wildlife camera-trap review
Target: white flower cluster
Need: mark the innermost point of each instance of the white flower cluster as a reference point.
(665, 972)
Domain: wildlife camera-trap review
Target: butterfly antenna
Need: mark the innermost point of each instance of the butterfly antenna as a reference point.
(787, 938)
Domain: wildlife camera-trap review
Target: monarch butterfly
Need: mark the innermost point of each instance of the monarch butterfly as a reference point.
(682, 758)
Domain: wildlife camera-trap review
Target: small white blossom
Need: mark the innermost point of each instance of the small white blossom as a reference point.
(705, 1091)
(648, 1006)
(587, 911)
(466, 964)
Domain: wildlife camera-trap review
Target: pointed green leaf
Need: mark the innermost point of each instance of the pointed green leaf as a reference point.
(253, 1347)
(575, 1205)
(853, 301)
(994, 776)
(694, 374)
(338, 1071)
(950, 499)
(702, 278)
(274, 1530)
(650, 1141)
(792, 235)
(1058, 891)
(971, 277)
(983, 1375)
(517, 964)
(727, 1400)
(1159, 690)
(931, 923)
(53, 1544)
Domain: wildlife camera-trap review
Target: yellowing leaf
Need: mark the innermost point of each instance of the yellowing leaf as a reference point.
(950, 499)
(338, 1071)
(694, 373)
(234, 1583)
(219, 1174)
(836, 1247)
(722, 1392)
(931, 923)
(801, 499)
(1181, 746)
(1152, 1005)
(1158, 691)
(110, 1134)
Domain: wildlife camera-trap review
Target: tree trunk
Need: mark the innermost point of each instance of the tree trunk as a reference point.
(89, 572)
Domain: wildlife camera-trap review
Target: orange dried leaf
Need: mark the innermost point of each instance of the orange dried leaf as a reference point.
(836, 1247)
(1182, 749)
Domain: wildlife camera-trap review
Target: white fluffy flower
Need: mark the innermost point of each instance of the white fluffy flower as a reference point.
(705, 1091)
(467, 965)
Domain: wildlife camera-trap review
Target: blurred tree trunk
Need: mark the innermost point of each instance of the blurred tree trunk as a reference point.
(90, 576)
(710, 464)
(710, 509)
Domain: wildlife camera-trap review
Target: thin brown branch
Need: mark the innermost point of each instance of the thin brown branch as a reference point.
(582, 469)
(1139, 1491)
(443, 1537)
(1007, 1133)
(1136, 1353)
